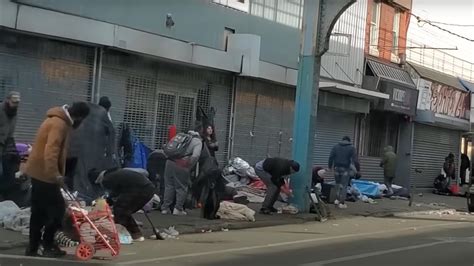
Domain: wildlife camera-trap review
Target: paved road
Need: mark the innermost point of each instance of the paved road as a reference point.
(355, 241)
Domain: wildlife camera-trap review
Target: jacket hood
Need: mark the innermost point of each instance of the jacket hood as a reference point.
(60, 113)
(388, 149)
(345, 143)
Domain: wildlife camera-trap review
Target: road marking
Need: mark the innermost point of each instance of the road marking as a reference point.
(373, 254)
(198, 254)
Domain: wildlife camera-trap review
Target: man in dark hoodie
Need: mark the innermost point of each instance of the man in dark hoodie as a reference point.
(8, 118)
(130, 189)
(46, 167)
(272, 171)
(342, 157)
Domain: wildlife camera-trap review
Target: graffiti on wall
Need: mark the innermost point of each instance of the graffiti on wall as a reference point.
(449, 101)
(443, 99)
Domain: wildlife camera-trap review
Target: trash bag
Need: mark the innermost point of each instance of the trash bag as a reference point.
(124, 236)
(370, 189)
(8, 208)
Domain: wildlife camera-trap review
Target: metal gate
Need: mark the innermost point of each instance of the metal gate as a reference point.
(431, 145)
(331, 127)
(150, 96)
(263, 120)
(47, 73)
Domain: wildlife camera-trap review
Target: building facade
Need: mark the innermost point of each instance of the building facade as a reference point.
(159, 61)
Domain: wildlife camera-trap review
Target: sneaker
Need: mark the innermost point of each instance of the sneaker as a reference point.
(342, 206)
(53, 252)
(31, 253)
(273, 210)
(179, 213)
(265, 211)
(139, 239)
(165, 212)
(336, 202)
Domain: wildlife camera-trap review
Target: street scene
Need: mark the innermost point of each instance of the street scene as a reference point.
(236, 132)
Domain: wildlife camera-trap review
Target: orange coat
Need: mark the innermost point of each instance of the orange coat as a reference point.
(47, 160)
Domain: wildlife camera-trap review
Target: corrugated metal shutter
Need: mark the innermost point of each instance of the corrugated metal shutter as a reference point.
(263, 120)
(47, 73)
(150, 96)
(431, 145)
(370, 169)
(331, 127)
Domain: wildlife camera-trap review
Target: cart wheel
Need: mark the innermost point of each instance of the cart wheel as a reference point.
(85, 251)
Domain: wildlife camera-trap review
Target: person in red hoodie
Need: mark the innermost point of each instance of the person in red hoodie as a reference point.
(46, 168)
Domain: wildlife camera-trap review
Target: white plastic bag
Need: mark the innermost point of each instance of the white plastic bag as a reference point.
(7, 208)
(124, 236)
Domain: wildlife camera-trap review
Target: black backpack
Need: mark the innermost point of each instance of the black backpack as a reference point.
(177, 146)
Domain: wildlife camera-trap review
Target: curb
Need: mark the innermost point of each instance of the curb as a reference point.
(8, 246)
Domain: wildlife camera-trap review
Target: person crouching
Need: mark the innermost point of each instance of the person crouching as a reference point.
(131, 191)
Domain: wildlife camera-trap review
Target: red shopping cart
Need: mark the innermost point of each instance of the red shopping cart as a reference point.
(96, 229)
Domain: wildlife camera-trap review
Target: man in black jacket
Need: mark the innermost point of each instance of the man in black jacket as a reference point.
(273, 171)
(343, 157)
(131, 190)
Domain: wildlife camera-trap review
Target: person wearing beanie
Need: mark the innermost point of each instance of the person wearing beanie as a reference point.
(273, 171)
(107, 104)
(343, 156)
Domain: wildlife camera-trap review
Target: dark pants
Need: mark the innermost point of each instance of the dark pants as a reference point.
(129, 203)
(273, 191)
(47, 210)
(388, 181)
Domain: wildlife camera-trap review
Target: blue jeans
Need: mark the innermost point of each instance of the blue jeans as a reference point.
(342, 177)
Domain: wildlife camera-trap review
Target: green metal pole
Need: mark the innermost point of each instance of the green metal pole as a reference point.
(306, 103)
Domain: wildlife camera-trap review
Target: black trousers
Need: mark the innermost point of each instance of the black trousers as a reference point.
(129, 203)
(47, 210)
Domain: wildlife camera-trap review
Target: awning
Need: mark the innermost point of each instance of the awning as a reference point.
(469, 86)
(351, 90)
(437, 76)
(391, 73)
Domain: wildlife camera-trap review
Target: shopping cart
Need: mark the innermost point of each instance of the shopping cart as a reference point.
(96, 229)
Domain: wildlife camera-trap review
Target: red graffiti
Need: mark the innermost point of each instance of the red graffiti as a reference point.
(449, 101)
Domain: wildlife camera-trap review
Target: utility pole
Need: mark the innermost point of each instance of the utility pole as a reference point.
(319, 17)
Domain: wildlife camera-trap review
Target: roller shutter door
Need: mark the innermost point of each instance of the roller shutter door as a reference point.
(47, 73)
(431, 145)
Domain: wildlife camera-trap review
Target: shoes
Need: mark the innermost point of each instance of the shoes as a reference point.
(53, 252)
(165, 212)
(179, 213)
(265, 211)
(273, 209)
(336, 202)
(31, 253)
(342, 206)
(139, 239)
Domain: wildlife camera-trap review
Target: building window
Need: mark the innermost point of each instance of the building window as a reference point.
(242, 5)
(374, 28)
(395, 36)
(381, 130)
(287, 12)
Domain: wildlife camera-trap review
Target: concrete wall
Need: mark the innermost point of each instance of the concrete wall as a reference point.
(198, 21)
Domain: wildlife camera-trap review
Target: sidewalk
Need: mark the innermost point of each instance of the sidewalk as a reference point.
(194, 224)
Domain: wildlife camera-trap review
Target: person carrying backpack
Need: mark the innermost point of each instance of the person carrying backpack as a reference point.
(183, 152)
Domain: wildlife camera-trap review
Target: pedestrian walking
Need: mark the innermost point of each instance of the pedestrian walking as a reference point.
(178, 170)
(342, 156)
(46, 168)
(129, 190)
(273, 171)
(389, 164)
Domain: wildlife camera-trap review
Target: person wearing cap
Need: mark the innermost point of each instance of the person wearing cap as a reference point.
(343, 156)
(8, 118)
(273, 171)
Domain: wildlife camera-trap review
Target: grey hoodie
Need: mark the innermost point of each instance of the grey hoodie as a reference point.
(343, 155)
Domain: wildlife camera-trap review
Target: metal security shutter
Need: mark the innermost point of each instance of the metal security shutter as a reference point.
(431, 145)
(331, 127)
(150, 96)
(47, 73)
(263, 120)
(371, 170)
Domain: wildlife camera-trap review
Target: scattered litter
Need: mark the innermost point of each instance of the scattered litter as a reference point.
(124, 236)
(420, 195)
(171, 231)
(225, 230)
(443, 212)
(335, 224)
(7, 207)
(398, 198)
(418, 205)
(18, 221)
(288, 209)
